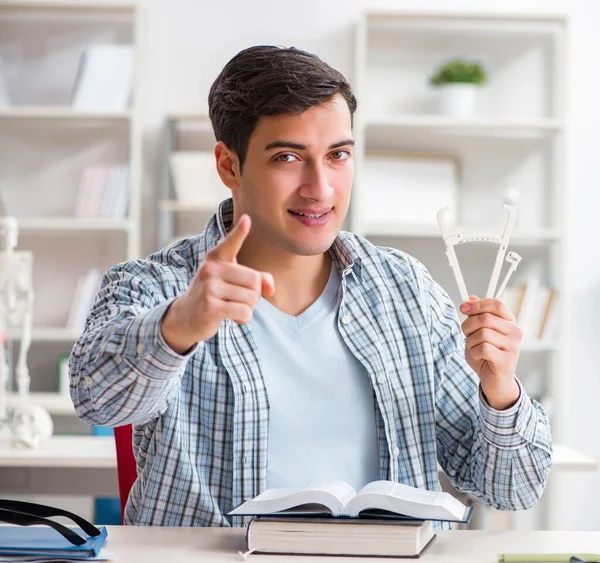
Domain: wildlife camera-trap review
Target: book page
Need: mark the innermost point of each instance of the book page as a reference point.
(339, 489)
(328, 496)
(400, 490)
(408, 501)
(272, 494)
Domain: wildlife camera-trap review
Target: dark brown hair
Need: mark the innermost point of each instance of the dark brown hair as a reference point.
(269, 80)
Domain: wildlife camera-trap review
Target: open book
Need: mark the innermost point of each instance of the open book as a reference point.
(337, 498)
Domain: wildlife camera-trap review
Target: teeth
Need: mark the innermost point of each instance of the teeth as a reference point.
(309, 215)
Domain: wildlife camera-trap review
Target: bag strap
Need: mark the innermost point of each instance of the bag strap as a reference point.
(29, 513)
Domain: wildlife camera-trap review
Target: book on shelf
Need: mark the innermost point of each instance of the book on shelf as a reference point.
(534, 307)
(342, 537)
(86, 290)
(195, 179)
(104, 78)
(4, 97)
(384, 499)
(103, 192)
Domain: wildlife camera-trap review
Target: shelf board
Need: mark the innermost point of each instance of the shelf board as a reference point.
(512, 25)
(72, 224)
(51, 334)
(569, 459)
(395, 231)
(62, 112)
(172, 205)
(93, 6)
(457, 15)
(189, 117)
(54, 403)
(55, 335)
(478, 127)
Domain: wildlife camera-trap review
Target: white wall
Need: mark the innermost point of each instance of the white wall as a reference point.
(189, 41)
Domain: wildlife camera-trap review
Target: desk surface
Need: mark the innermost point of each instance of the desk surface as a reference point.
(153, 545)
(99, 452)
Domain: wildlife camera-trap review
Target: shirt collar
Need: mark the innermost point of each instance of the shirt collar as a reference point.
(343, 250)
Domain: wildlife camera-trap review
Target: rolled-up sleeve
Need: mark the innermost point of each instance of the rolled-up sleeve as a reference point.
(121, 369)
(501, 457)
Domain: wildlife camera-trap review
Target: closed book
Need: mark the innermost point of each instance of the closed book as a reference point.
(38, 541)
(337, 536)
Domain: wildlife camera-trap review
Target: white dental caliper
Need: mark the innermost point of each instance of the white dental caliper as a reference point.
(451, 240)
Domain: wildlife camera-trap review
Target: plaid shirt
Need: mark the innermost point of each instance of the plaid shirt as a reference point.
(201, 420)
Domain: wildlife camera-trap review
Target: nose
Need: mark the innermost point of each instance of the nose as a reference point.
(316, 184)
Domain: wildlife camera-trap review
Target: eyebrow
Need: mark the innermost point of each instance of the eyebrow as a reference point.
(300, 147)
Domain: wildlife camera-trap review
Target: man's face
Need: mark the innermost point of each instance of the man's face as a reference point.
(297, 178)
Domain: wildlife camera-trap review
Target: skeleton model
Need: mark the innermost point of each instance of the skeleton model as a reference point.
(22, 424)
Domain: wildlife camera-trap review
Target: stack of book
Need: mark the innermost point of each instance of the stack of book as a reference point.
(534, 307)
(103, 192)
(384, 519)
(32, 535)
(4, 98)
(46, 545)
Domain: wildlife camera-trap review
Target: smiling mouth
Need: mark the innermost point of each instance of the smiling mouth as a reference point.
(311, 215)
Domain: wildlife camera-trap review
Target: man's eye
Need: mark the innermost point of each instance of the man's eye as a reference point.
(340, 155)
(286, 157)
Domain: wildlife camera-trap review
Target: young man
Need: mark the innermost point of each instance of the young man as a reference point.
(273, 350)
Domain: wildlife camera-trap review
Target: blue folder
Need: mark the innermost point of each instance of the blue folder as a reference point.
(43, 541)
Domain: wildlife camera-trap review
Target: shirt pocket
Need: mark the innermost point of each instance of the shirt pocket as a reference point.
(206, 410)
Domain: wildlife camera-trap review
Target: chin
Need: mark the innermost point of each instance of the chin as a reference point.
(309, 248)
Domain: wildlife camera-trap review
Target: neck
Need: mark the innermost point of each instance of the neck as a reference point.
(299, 280)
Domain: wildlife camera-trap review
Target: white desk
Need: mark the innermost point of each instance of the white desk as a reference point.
(192, 545)
(86, 465)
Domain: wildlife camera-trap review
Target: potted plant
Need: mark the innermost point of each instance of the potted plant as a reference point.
(458, 80)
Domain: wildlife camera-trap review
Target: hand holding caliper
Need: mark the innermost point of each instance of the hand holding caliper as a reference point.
(493, 337)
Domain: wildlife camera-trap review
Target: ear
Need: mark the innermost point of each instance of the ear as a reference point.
(227, 165)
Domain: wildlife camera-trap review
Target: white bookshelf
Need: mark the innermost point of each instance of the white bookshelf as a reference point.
(486, 127)
(515, 139)
(176, 219)
(51, 334)
(521, 236)
(74, 224)
(45, 144)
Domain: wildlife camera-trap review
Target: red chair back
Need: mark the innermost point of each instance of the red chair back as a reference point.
(126, 467)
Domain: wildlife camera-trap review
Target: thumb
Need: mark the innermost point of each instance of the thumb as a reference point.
(230, 246)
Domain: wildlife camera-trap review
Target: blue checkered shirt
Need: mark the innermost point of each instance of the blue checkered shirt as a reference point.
(201, 420)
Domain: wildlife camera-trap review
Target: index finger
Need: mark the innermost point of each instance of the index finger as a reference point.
(493, 306)
(230, 246)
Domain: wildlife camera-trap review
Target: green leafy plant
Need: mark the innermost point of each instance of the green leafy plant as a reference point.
(459, 71)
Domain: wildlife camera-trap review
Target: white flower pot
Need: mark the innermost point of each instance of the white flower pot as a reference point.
(458, 100)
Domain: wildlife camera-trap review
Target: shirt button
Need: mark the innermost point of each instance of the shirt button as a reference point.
(396, 451)
(140, 349)
(346, 319)
(245, 461)
(381, 378)
(246, 387)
